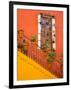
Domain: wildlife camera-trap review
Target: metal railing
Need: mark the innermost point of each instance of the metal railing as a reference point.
(39, 56)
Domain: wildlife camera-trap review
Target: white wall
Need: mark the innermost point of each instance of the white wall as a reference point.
(4, 47)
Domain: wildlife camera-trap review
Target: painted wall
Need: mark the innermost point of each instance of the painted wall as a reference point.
(28, 21)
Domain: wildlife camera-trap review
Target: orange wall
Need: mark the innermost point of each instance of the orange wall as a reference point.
(28, 21)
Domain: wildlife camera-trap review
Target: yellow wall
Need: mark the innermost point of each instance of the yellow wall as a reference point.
(28, 69)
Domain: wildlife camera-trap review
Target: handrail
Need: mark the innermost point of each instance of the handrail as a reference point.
(39, 56)
(37, 46)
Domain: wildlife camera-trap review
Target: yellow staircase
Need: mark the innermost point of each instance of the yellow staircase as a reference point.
(28, 69)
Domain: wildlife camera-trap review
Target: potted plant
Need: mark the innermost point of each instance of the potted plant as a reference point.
(51, 56)
(50, 59)
(20, 33)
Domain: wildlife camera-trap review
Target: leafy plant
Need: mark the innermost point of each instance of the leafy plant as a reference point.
(51, 56)
(50, 60)
(33, 38)
(20, 31)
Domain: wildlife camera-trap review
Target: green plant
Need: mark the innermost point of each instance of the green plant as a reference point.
(50, 60)
(21, 31)
(51, 56)
(33, 38)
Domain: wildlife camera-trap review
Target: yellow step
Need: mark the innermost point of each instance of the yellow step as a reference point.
(28, 69)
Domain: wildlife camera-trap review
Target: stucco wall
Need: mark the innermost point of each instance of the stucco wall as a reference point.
(28, 21)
